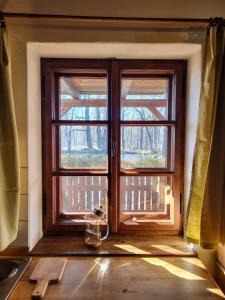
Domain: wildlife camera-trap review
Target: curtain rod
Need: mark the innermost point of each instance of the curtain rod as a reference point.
(98, 18)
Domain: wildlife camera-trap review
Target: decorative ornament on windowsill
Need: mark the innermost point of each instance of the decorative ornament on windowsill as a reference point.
(93, 222)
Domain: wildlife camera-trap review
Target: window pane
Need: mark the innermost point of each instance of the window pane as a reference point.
(144, 146)
(83, 98)
(144, 99)
(145, 198)
(84, 146)
(83, 193)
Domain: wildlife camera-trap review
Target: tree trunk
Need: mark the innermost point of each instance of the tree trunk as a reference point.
(88, 130)
(142, 139)
(99, 137)
(148, 132)
(122, 132)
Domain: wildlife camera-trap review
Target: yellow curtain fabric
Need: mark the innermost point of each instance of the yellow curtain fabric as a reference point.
(9, 156)
(205, 214)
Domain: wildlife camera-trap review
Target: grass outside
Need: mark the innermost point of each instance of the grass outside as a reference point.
(101, 161)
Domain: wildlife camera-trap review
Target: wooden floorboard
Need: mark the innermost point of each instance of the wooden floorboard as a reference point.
(114, 245)
(15, 251)
(127, 278)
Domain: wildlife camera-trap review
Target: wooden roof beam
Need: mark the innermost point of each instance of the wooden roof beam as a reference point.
(71, 87)
(153, 103)
(157, 113)
(126, 85)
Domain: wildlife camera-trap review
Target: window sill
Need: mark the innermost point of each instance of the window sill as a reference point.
(115, 245)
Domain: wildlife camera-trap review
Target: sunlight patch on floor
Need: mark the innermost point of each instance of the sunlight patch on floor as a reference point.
(217, 292)
(194, 261)
(132, 249)
(177, 271)
(97, 260)
(103, 268)
(170, 250)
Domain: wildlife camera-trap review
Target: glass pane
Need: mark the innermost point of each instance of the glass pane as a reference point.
(83, 193)
(144, 99)
(144, 146)
(83, 98)
(84, 146)
(145, 198)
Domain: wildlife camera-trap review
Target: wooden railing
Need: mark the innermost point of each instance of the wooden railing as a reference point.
(138, 194)
(83, 193)
(143, 193)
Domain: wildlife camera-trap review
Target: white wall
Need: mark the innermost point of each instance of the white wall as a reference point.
(34, 147)
(193, 94)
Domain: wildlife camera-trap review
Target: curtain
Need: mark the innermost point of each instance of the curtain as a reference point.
(206, 208)
(9, 156)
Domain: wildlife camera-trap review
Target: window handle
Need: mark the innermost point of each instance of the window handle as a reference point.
(113, 148)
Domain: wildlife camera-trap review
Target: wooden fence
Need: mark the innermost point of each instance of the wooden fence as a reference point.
(138, 193)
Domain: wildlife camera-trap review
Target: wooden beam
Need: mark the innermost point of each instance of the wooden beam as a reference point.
(126, 84)
(71, 87)
(183, 22)
(15, 251)
(153, 103)
(157, 113)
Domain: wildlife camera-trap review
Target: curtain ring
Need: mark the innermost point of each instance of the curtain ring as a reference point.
(217, 21)
(219, 24)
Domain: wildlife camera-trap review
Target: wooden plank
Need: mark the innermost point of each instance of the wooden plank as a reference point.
(63, 195)
(75, 193)
(157, 113)
(135, 193)
(83, 192)
(162, 193)
(68, 85)
(66, 194)
(126, 84)
(171, 278)
(15, 251)
(155, 193)
(129, 184)
(146, 193)
(70, 245)
(89, 195)
(46, 271)
(70, 193)
(66, 105)
(97, 198)
(82, 196)
(123, 193)
(105, 193)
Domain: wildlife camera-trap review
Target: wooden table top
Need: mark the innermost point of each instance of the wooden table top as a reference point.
(128, 278)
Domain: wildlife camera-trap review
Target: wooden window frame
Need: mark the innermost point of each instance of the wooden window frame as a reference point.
(51, 69)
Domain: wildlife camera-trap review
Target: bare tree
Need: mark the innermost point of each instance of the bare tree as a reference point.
(88, 129)
(122, 130)
(147, 130)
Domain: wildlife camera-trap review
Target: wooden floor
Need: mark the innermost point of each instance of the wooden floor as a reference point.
(114, 245)
(127, 278)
